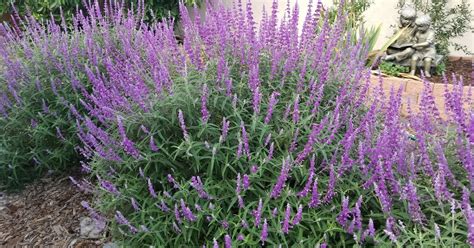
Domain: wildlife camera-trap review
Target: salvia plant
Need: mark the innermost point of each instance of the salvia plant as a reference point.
(238, 135)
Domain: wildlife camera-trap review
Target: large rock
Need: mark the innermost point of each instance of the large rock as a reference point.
(90, 229)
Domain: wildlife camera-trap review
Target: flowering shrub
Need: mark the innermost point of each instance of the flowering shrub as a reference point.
(246, 136)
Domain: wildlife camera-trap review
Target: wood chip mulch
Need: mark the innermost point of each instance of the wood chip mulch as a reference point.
(45, 214)
(460, 67)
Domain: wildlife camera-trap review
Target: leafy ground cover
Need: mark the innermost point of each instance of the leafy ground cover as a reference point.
(239, 136)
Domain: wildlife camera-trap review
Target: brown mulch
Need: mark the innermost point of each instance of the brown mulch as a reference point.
(45, 214)
(460, 67)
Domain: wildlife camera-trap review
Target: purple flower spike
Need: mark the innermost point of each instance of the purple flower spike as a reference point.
(187, 212)
(264, 234)
(246, 181)
(123, 221)
(135, 204)
(258, 213)
(204, 96)
(216, 245)
(344, 214)
(257, 97)
(299, 216)
(172, 181)
(198, 186)
(241, 202)
(271, 105)
(227, 241)
(109, 186)
(296, 111)
(183, 125)
(151, 189)
(153, 146)
(238, 188)
(245, 139)
(286, 221)
(315, 195)
(225, 130)
(240, 237)
(309, 182)
(277, 188)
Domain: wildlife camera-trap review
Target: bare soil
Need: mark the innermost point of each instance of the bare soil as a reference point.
(460, 67)
(46, 213)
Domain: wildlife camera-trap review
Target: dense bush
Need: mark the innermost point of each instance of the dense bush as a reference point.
(244, 136)
(65, 9)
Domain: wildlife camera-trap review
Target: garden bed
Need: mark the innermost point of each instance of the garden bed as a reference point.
(461, 66)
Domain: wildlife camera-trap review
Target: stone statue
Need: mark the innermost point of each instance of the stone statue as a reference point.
(424, 46)
(401, 51)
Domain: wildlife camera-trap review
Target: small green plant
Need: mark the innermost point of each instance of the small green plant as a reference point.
(448, 22)
(393, 69)
(441, 68)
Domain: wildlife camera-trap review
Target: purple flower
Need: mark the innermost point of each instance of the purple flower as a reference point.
(153, 146)
(413, 204)
(109, 186)
(345, 212)
(264, 234)
(216, 245)
(286, 221)
(163, 206)
(240, 237)
(123, 221)
(246, 181)
(294, 143)
(129, 148)
(258, 213)
(183, 125)
(309, 145)
(245, 139)
(315, 195)
(239, 184)
(257, 97)
(172, 181)
(271, 105)
(296, 111)
(177, 214)
(267, 139)
(198, 186)
(277, 188)
(204, 96)
(187, 212)
(254, 169)
(151, 189)
(299, 216)
(309, 182)
(225, 130)
(225, 224)
(135, 204)
(227, 241)
(240, 200)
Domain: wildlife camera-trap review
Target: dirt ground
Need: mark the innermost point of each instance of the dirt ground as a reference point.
(46, 213)
(464, 68)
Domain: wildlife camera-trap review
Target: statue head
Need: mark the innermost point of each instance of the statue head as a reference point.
(407, 15)
(423, 22)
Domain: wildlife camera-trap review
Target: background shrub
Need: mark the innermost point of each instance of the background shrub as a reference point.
(448, 22)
